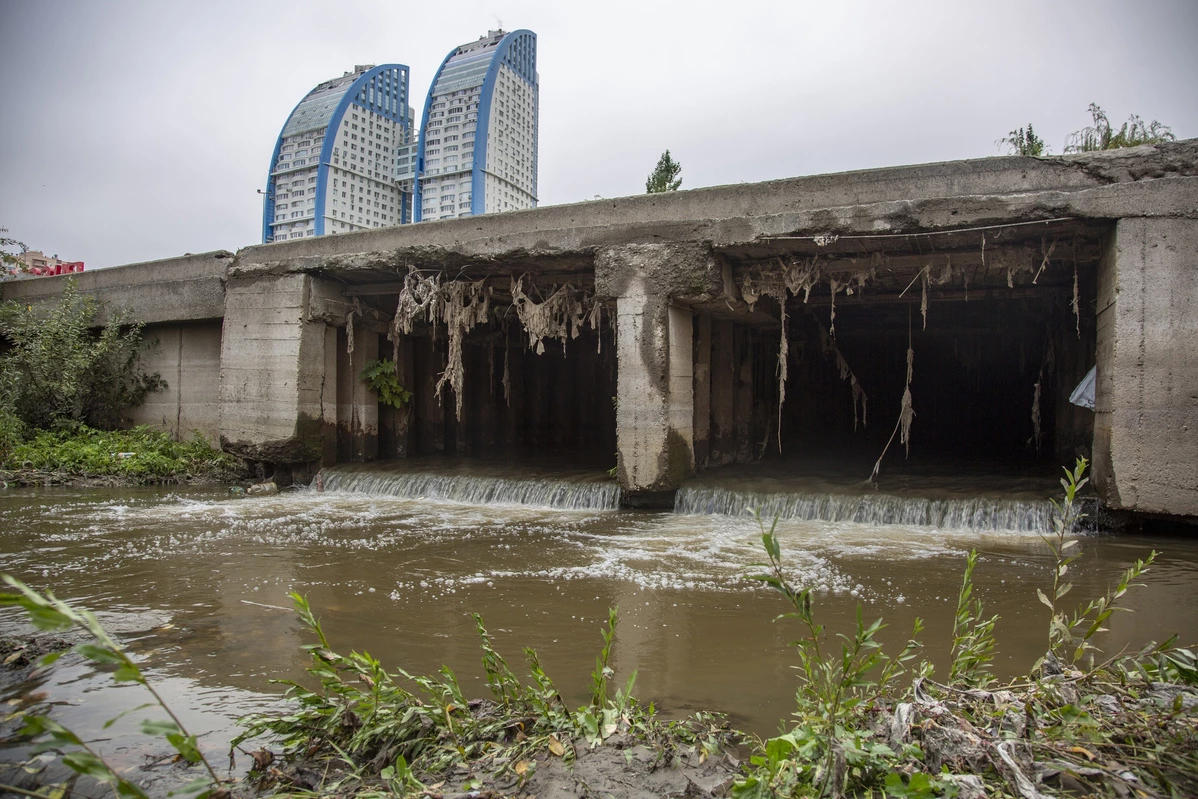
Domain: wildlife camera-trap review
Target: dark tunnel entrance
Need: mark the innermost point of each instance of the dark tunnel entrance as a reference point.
(990, 380)
(1010, 331)
(515, 402)
(501, 365)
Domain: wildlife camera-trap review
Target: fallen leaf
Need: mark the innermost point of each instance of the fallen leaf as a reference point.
(14, 656)
(521, 767)
(555, 746)
(262, 758)
(1081, 750)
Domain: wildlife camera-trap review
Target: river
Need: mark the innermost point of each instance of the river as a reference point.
(394, 559)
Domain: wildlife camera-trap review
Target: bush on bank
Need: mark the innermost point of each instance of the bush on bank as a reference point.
(58, 364)
(66, 385)
(140, 455)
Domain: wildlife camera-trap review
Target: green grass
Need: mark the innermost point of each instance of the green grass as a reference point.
(142, 455)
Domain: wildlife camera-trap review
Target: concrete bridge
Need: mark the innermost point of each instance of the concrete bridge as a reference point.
(797, 319)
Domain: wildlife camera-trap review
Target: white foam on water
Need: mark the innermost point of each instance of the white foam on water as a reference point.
(972, 514)
(578, 493)
(485, 530)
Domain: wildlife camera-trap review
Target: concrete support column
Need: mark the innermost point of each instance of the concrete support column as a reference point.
(655, 412)
(1146, 402)
(328, 397)
(406, 372)
(272, 369)
(430, 410)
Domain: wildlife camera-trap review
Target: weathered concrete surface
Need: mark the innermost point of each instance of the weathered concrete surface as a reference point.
(180, 289)
(187, 356)
(655, 389)
(1146, 404)
(272, 361)
(1148, 181)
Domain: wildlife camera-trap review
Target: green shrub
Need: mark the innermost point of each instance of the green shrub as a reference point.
(142, 454)
(381, 376)
(57, 367)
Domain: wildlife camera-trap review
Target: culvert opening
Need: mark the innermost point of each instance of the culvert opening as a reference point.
(500, 365)
(516, 402)
(937, 351)
(989, 381)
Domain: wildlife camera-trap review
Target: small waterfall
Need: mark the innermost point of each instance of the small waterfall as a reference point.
(475, 489)
(979, 514)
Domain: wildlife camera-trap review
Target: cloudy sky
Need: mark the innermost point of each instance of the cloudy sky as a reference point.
(142, 130)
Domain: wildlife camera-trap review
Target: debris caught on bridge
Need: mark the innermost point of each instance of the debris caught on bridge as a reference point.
(463, 306)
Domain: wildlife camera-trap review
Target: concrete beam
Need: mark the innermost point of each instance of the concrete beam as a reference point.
(1156, 180)
(1146, 403)
(186, 288)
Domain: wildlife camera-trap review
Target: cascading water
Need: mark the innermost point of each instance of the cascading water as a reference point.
(581, 492)
(977, 514)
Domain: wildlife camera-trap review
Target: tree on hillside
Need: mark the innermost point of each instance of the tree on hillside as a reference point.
(1024, 142)
(1100, 135)
(665, 176)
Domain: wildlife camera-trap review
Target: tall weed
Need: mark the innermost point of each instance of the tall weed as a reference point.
(46, 612)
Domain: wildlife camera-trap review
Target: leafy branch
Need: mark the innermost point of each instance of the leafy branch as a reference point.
(47, 612)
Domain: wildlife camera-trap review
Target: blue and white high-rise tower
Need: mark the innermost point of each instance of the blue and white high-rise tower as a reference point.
(477, 152)
(334, 164)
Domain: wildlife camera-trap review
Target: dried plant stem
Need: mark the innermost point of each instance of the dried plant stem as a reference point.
(902, 426)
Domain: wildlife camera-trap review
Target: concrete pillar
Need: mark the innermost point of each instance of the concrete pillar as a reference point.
(513, 405)
(723, 393)
(680, 411)
(655, 412)
(430, 409)
(403, 416)
(1146, 403)
(744, 395)
(272, 369)
(702, 423)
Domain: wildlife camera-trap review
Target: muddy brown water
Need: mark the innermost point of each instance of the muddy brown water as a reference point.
(394, 561)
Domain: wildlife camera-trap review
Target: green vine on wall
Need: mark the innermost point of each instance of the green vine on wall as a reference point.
(381, 376)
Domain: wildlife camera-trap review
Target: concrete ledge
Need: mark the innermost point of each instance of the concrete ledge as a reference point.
(720, 214)
(187, 288)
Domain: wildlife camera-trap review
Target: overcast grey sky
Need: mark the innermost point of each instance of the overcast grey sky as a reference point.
(141, 130)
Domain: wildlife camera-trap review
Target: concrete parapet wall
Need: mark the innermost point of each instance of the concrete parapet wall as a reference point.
(1146, 403)
(1140, 181)
(187, 356)
(171, 290)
